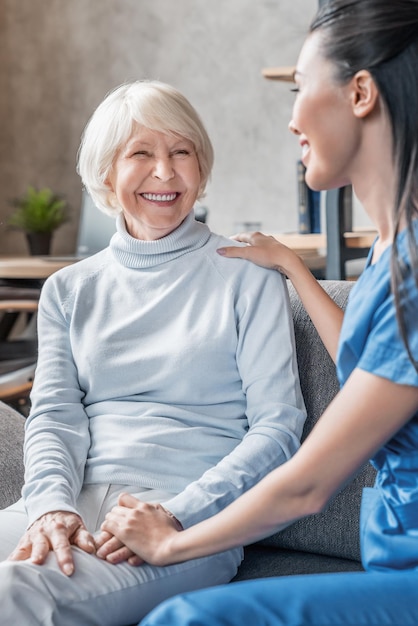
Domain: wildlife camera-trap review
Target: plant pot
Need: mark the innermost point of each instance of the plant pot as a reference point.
(39, 243)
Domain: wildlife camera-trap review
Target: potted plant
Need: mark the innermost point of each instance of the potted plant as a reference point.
(39, 212)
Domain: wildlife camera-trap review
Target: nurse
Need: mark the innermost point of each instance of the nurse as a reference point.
(356, 118)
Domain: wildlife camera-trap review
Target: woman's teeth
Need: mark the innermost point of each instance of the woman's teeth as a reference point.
(159, 197)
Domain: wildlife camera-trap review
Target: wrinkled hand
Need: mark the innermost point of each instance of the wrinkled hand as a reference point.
(262, 250)
(56, 532)
(136, 531)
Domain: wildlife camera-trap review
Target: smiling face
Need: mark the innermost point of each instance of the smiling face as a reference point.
(156, 180)
(329, 133)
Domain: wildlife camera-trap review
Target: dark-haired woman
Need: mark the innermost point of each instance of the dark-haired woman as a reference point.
(356, 118)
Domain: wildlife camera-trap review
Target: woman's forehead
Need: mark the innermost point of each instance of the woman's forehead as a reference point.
(311, 58)
(151, 137)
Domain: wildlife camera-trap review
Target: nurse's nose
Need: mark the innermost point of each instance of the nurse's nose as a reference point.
(293, 128)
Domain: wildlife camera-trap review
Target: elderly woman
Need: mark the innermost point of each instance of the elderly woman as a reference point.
(165, 372)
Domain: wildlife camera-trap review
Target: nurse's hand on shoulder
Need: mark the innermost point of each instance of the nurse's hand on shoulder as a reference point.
(56, 531)
(262, 250)
(136, 532)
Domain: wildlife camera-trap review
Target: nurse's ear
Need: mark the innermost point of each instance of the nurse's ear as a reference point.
(363, 93)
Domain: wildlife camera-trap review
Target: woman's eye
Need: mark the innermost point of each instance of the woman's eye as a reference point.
(141, 153)
(181, 153)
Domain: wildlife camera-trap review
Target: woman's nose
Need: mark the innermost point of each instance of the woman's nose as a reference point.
(293, 128)
(163, 169)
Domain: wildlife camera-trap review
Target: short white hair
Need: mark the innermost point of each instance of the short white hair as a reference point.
(151, 104)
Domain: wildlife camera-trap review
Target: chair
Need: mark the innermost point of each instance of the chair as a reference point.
(18, 343)
(338, 221)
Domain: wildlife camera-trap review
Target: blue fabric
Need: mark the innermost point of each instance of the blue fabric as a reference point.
(370, 340)
(349, 599)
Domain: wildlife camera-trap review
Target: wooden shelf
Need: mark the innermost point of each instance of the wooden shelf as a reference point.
(285, 73)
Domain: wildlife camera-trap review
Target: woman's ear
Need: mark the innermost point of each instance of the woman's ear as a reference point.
(108, 183)
(111, 197)
(364, 93)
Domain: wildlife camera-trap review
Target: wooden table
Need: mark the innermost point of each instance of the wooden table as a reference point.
(312, 248)
(360, 238)
(31, 267)
(21, 279)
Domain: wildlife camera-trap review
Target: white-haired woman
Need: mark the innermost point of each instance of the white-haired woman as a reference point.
(166, 373)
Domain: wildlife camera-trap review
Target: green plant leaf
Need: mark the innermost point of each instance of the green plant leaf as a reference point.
(38, 211)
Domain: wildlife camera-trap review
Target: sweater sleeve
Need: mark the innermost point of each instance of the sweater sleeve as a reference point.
(266, 358)
(57, 434)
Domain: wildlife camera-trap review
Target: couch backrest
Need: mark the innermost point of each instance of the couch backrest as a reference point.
(335, 531)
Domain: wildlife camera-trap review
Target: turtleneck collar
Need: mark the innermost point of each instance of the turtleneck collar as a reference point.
(137, 253)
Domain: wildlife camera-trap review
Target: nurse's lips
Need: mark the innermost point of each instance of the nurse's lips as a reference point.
(305, 147)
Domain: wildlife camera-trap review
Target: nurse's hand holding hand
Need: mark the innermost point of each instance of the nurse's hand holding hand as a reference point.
(137, 528)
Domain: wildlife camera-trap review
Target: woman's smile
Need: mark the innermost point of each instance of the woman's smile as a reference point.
(305, 150)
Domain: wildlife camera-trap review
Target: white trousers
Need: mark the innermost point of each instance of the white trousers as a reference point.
(98, 593)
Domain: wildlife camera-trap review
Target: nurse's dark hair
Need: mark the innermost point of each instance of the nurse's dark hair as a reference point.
(381, 36)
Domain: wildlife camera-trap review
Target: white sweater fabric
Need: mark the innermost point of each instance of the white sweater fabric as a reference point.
(166, 366)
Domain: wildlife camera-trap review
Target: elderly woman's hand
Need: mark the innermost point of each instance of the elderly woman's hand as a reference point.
(55, 531)
(135, 531)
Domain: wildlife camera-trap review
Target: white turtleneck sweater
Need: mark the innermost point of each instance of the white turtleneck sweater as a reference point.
(162, 365)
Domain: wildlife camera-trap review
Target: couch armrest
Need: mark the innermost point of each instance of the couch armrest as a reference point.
(12, 425)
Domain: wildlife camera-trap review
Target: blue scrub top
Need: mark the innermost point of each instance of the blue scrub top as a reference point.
(370, 340)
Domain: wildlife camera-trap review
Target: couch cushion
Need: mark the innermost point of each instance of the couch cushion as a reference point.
(261, 562)
(12, 426)
(335, 531)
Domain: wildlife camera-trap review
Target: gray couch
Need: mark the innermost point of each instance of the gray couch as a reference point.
(327, 542)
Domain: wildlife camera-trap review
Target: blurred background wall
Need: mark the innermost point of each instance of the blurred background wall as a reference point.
(58, 58)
